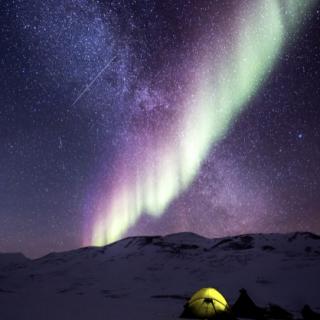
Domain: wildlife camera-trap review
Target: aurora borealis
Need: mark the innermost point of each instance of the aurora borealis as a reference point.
(226, 76)
(145, 117)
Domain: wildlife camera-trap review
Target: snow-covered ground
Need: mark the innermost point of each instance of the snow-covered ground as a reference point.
(151, 277)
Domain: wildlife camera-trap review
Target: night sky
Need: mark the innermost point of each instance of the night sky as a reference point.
(145, 117)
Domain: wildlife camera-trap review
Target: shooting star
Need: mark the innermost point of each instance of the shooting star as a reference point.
(88, 86)
(60, 143)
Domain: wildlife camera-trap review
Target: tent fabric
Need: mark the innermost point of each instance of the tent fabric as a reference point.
(244, 307)
(206, 303)
(309, 314)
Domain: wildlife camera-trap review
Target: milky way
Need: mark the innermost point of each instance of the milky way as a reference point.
(148, 117)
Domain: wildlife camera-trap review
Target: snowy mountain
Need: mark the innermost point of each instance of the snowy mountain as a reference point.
(151, 277)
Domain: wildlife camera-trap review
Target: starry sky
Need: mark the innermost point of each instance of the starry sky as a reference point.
(129, 117)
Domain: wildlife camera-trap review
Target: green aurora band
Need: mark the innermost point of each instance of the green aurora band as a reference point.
(227, 77)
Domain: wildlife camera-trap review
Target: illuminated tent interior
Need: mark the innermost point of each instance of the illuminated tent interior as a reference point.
(206, 303)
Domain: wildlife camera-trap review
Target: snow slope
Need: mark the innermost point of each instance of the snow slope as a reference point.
(151, 277)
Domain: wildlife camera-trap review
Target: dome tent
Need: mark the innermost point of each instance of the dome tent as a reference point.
(206, 303)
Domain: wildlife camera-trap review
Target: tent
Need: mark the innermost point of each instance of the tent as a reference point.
(206, 303)
(244, 307)
(309, 314)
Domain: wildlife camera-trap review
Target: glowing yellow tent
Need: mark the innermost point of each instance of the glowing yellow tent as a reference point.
(206, 303)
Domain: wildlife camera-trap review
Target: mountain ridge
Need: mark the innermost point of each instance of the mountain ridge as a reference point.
(291, 236)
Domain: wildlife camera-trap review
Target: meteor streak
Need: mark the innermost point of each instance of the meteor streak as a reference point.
(88, 86)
